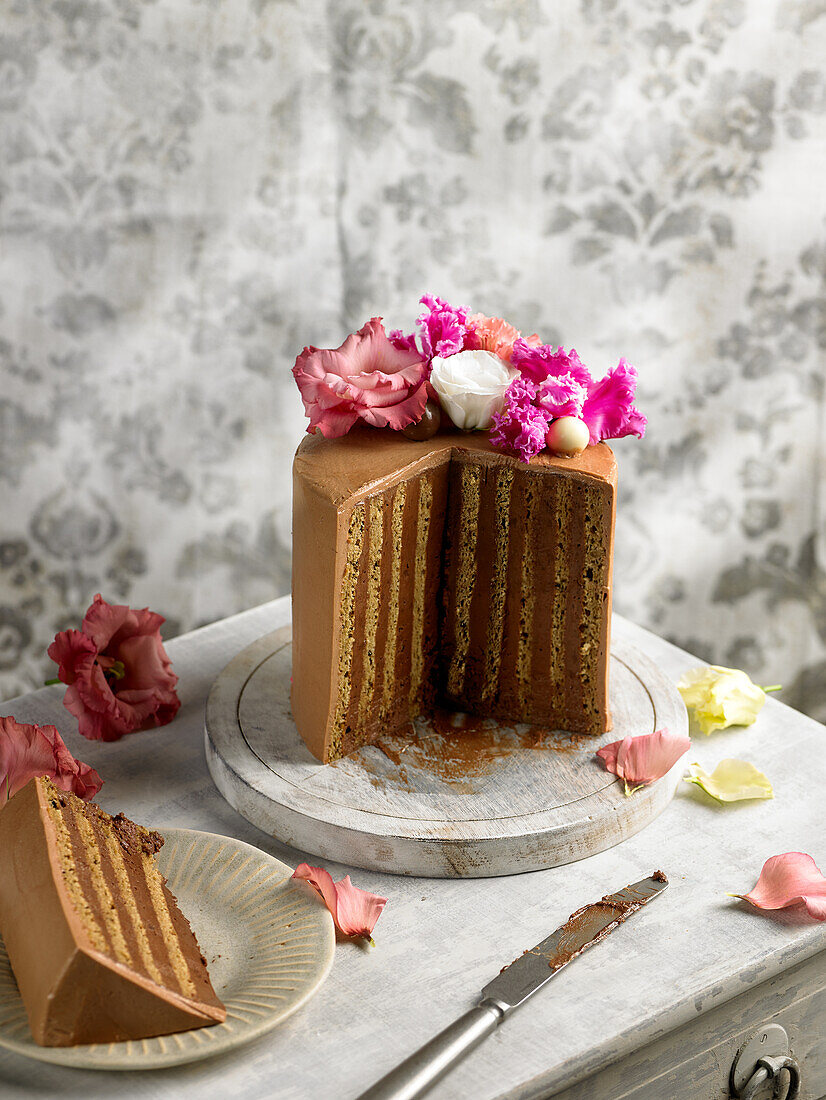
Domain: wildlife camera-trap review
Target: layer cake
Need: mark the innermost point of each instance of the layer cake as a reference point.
(99, 947)
(444, 570)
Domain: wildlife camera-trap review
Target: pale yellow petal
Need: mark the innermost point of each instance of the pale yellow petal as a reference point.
(732, 781)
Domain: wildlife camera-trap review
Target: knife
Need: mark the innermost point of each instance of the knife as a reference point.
(511, 988)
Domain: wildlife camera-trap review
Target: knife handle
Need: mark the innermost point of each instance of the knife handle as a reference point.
(423, 1068)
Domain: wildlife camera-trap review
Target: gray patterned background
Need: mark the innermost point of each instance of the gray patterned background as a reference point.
(190, 190)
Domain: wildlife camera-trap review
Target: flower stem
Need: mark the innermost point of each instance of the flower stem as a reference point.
(48, 683)
(774, 687)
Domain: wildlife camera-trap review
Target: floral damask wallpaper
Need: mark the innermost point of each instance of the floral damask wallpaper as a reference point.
(190, 190)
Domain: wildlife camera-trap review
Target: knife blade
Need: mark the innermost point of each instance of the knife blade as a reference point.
(512, 987)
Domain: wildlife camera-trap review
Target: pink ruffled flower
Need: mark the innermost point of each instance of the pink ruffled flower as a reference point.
(368, 378)
(28, 751)
(790, 879)
(402, 341)
(445, 329)
(120, 678)
(497, 336)
(520, 429)
(609, 411)
(541, 361)
(561, 395)
(641, 760)
(354, 911)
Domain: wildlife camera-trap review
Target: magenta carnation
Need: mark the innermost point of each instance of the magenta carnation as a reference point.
(445, 329)
(544, 361)
(368, 378)
(401, 341)
(561, 396)
(521, 427)
(609, 411)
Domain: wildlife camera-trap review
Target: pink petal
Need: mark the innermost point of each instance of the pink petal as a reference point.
(609, 412)
(103, 620)
(358, 910)
(536, 362)
(28, 751)
(789, 879)
(354, 911)
(641, 760)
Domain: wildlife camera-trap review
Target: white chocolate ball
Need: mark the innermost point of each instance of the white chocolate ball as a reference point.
(568, 436)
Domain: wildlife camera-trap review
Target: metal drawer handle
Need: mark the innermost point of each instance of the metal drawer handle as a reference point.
(769, 1069)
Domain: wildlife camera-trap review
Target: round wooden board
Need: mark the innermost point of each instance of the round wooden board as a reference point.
(447, 800)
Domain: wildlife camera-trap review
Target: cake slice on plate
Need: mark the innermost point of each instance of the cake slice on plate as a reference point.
(98, 945)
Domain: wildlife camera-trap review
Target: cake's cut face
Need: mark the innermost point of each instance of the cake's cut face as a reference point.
(99, 947)
(444, 570)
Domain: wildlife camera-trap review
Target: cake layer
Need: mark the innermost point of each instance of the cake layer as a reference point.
(100, 950)
(446, 569)
(526, 594)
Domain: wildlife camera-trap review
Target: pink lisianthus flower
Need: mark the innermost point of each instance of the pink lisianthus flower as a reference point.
(640, 760)
(354, 911)
(369, 378)
(28, 751)
(497, 336)
(609, 411)
(445, 329)
(529, 407)
(790, 879)
(118, 674)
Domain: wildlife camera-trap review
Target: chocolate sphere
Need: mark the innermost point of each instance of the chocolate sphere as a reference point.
(568, 436)
(427, 427)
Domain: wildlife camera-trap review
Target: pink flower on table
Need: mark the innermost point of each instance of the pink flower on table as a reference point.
(354, 911)
(118, 674)
(28, 751)
(609, 411)
(369, 378)
(790, 879)
(640, 760)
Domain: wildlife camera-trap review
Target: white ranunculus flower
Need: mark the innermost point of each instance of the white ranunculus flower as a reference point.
(471, 386)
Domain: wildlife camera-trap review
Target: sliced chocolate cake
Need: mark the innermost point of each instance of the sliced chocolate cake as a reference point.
(98, 945)
(446, 570)
(453, 526)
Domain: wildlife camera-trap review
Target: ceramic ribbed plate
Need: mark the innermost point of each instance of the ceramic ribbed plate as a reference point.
(268, 942)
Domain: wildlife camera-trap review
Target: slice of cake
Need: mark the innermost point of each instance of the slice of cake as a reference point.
(100, 950)
(453, 524)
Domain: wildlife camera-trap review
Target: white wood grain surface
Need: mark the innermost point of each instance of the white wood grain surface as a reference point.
(691, 952)
(421, 810)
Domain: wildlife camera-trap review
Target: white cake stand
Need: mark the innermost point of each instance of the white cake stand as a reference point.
(448, 801)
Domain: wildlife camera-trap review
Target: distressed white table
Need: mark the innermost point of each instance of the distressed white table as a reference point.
(656, 1011)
